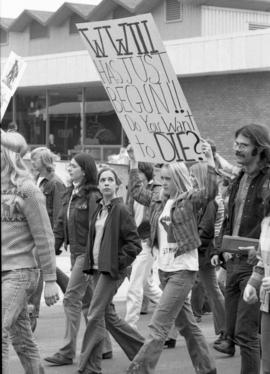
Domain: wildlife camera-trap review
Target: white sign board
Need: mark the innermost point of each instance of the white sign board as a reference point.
(139, 79)
(10, 79)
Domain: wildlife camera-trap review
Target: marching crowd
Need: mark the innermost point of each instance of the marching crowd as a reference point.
(196, 222)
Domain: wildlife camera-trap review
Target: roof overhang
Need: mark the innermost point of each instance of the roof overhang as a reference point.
(67, 9)
(5, 23)
(73, 107)
(20, 23)
(201, 56)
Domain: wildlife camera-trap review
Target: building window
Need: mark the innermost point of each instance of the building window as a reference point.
(3, 36)
(38, 31)
(256, 26)
(75, 18)
(173, 10)
(31, 115)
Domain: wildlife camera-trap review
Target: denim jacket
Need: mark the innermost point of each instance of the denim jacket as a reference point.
(53, 189)
(183, 212)
(253, 210)
(74, 229)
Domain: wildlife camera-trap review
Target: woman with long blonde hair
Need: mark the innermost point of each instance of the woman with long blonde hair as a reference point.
(25, 228)
(174, 232)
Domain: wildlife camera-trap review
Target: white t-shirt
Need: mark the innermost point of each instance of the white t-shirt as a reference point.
(138, 213)
(99, 228)
(168, 247)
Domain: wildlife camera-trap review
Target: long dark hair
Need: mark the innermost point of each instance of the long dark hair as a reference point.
(88, 165)
(260, 137)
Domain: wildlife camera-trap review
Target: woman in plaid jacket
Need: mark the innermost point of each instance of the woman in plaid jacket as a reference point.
(174, 232)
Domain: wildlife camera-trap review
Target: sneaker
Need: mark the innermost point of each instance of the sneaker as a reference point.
(226, 347)
(58, 360)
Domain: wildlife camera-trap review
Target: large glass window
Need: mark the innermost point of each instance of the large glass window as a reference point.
(65, 111)
(103, 130)
(31, 115)
(102, 124)
(73, 127)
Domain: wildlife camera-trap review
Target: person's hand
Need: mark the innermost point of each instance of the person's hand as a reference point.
(250, 294)
(206, 149)
(227, 256)
(215, 260)
(130, 152)
(51, 295)
(133, 161)
(266, 284)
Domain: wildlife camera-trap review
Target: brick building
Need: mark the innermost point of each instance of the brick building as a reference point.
(219, 50)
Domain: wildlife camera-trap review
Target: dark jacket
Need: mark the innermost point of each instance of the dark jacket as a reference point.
(74, 231)
(253, 212)
(120, 242)
(53, 189)
(206, 227)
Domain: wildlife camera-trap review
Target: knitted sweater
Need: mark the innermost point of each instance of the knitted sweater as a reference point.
(25, 227)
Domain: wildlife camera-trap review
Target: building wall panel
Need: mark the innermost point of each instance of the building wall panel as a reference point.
(189, 27)
(217, 20)
(195, 56)
(223, 103)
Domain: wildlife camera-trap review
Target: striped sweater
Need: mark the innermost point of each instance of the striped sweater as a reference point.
(26, 227)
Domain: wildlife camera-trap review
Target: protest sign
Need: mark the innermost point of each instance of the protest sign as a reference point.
(10, 79)
(139, 79)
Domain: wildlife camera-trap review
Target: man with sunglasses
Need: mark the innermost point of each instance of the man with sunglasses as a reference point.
(245, 213)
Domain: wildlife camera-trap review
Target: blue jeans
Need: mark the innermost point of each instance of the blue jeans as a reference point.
(17, 287)
(101, 312)
(242, 319)
(73, 304)
(173, 307)
(208, 277)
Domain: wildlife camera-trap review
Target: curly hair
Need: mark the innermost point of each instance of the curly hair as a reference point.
(14, 168)
(46, 157)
